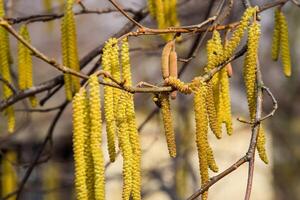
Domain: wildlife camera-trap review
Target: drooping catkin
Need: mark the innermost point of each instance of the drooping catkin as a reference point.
(261, 143)
(284, 45)
(168, 124)
(69, 49)
(87, 148)
(165, 59)
(132, 126)
(125, 146)
(211, 160)
(8, 175)
(25, 65)
(79, 128)
(250, 67)
(96, 137)
(173, 70)
(152, 7)
(109, 102)
(5, 70)
(276, 36)
(201, 132)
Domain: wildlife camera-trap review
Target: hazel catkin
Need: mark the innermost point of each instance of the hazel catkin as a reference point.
(8, 175)
(173, 70)
(165, 59)
(276, 36)
(168, 124)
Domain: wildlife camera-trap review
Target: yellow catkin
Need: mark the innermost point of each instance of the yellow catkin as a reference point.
(276, 36)
(5, 70)
(284, 45)
(168, 124)
(125, 146)
(181, 177)
(78, 145)
(132, 126)
(250, 66)
(8, 175)
(25, 65)
(87, 148)
(69, 49)
(261, 143)
(109, 102)
(211, 160)
(201, 132)
(47, 5)
(178, 84)
(226, 104)
(173, 13)
(152, 7)
(51, 175)
(96, 137)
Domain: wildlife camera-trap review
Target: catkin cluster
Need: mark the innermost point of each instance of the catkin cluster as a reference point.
(205, 154)
(25, 65)
(120, 117)
(87, 134)
(8, 174)
(218, 95)
(5, 62)
(281, 42)
(250, 69)
(165, 13)
(69, 49)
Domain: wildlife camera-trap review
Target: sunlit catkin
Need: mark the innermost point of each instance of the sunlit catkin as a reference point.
(8, 175)
(152, 7)
(96, 137)
(125, 146)
(132, 126)
(78, 145)
(201, 132)
(5, 70)
(109, 102)
(284, 45)
(173, 70)
(261, 143)
(25, 65)
(250, 67)
(69, 49)
(211, 160)
(276, 36)
(168, 124)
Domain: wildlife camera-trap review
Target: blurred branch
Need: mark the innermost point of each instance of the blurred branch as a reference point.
(11, 87)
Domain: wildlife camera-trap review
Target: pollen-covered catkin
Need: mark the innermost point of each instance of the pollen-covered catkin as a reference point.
(96, 137)
(250, 67)
(284, 45)
(8, 174)
(168, 124)
(132, 126)
(109, 102)
(25, 65)
(5, 70)
(276, 36)
(211, 159)
(261, 143)
(78, 145)
(69, 49)
(201, 132)
(178, 84)
(125, 146)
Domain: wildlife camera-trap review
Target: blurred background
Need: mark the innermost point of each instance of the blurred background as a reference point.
(162, 177)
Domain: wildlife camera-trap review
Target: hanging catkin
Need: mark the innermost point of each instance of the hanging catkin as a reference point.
(201, 132)
(109, 102)
(125, 146)
(261, 143)
(25, 65)
(79, 129)
(8, 175)
(132, 126)
(165, 59)
(88, 158)
(284, 45)
(168, 124)
(276, 36)
(173, 70)
(69, 49)
(5, 71)
(96, 135)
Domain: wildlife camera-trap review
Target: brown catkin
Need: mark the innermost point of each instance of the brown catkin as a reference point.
(201, 132)
(79, 128)
(96, 137)
(276, 36)
(284, 45)
(168, 124)
(109, 102)
(173, 70)
(125, 146)
(165, 59)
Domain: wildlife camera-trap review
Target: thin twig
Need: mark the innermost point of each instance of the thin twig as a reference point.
(8, 84)
(274, 101)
